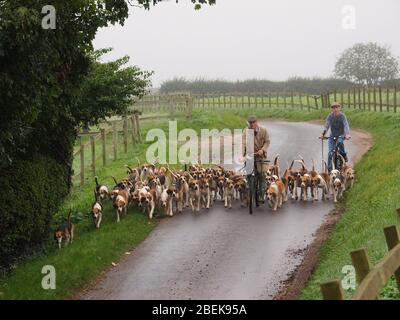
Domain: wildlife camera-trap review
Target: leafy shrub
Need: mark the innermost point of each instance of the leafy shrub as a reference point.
(31, 192)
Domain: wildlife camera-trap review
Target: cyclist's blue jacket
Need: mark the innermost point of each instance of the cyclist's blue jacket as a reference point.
(338, 124)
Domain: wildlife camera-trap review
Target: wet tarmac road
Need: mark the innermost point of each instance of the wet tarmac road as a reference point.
(222, 253)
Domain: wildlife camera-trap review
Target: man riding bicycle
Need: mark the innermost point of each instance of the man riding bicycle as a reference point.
(261, 144)
(337, 122)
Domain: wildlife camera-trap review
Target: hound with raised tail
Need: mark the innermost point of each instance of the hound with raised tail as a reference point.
(101, 190)
(65, 232)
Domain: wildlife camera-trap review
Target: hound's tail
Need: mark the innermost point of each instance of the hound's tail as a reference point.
(115, 180)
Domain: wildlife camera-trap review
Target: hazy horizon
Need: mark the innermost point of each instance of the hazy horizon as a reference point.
(238, 40)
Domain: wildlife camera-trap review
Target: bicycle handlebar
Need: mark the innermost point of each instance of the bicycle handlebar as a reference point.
(326, 138)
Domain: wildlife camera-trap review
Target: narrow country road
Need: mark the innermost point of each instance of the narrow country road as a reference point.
(221, 253)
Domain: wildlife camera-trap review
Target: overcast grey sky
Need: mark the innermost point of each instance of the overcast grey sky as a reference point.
(241, 39)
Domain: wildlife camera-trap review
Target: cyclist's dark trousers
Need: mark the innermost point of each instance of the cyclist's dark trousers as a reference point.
(331, 146)
(261, 188)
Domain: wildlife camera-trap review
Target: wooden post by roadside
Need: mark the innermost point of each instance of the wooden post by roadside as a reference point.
(125, 134)
(380, 99)
(133, 130)
(93, 147)
(316, 102)
(82, 162)
(269, 100)
(308, 102)
(364, 102)
(387, 100)
(292, 99)
(349, 98)
(361, 263)
(374, 98)
(138, 127)
(395, 99)
(341, 98)
(398, 217)
(392, 240)
(332, 290)
(115, 140)
(369, 98)
(284, 100)
(103, 146)
(277, 99)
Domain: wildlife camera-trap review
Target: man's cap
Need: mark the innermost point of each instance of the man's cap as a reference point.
(251, 118)
(335, 103)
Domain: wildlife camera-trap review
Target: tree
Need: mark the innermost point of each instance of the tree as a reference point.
(41, 72)
(367, 63)
(108, 88)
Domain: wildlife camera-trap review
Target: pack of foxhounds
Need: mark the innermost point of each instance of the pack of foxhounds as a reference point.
(156, 189)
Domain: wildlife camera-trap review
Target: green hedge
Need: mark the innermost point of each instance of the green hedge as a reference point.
(30, 193)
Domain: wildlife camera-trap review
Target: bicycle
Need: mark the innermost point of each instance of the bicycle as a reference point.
(336, 157)
(253, 184)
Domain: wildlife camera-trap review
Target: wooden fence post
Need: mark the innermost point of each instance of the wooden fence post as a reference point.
(392, 240)
(308, 102)
(398, 217)
(316, 102)
(93, 145)
(380, 99)
(138, 127)
(125, 126)
(133, 131)
(262, 100)
(269, 100)
(82, 162)
(374, 98)
(387, 100)
(284, 101)
(369, 98)
(277, 99)
(115, 140)
(363, 93)
(103, 146)
(332, 290)
(361, 263)
(349, 98)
